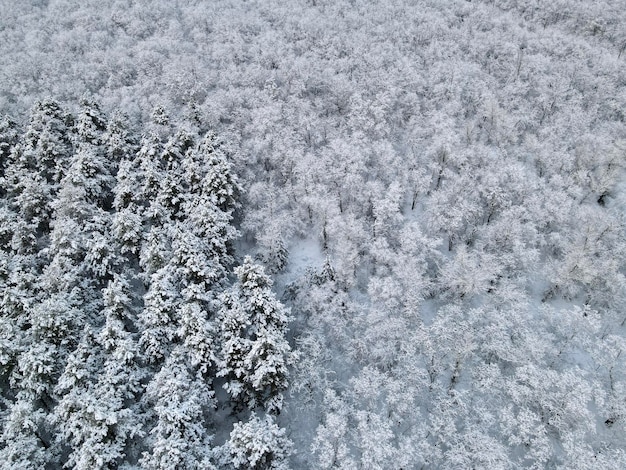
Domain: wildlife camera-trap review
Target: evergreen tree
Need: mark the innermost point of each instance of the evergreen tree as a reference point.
(28, 438)
(128, 217)
(186, 255)
(77, 413)
(8, 138)
(50, 186)
(81, 254)
(198, 333)
(160, 123)
(180, 400)
(47, 142)
(83, 210)
(119, 140)
(175, 150)
(158, 319)
(54, 325)
(9, 134)
(29, 198)
(165, 207)
(217, 180)
(96, 413)
(81, 258)
(259, 444)
(37, 164)
(18, 293)
(148, 171)
(90, 169)
(90, 124)
(22, 442)
(255, 352)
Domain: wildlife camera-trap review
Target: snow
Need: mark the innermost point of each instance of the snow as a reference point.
(459, 166)
(305, 254)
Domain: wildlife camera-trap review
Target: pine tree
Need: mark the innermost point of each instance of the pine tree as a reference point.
(210, 224)
(128, 217)
(55, 323)
(171, 192)
(158, 319)
(218, 180)
(18, 293)
(186, 254)
(180, 400)
(259, 444)
(29, 198)
(175, 151)
(22, 442)
(28, 439)
(200, 274)
(20, 268)
(89, 168)
(147, 169)
(255, 352)
(7, 224)
(83, 210)
(208, 208)
(119, 140)
(77, 412)
(81, 254)
(47, 141)
(198, 333)
(128, 209)
(90, 124)
(81, 259)
(160, 123)
(37, 163)
(96, 412)
(9, 135)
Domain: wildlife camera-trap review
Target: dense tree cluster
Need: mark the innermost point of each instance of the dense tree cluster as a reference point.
(436, 190)
(116, 254)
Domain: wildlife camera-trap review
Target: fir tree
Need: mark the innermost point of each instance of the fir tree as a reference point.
(96, 414)
(148, 171)
(180, 400)
(158, 319)
(119, 140)
(77, 413)
(259, 444)
(90, 123)
(255, 352)
(36, 165)
(47, 142)
(23, 444)
(9, 135)
(29, 436)
(218, 180)
(29, 199)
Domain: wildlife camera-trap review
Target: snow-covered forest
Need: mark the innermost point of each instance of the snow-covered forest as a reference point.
(312, 234)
